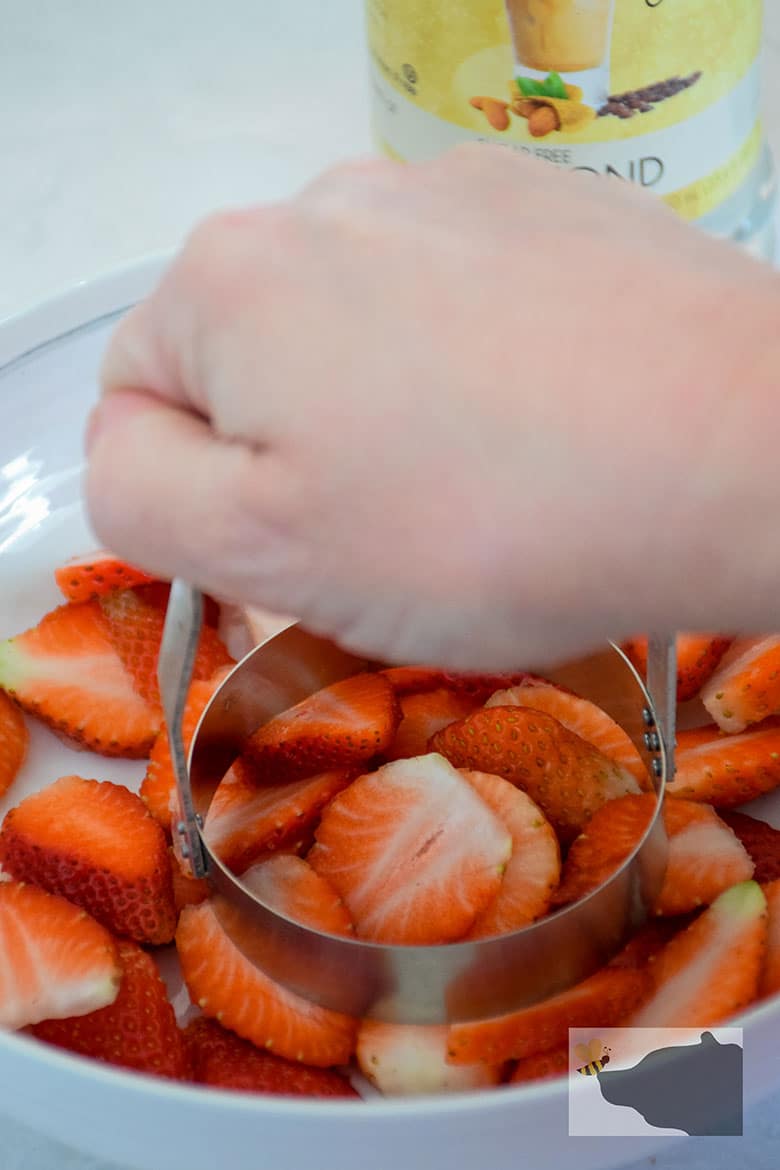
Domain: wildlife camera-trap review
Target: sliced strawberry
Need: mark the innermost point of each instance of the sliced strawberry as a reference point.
(289, 885)
(342, 726)
(159, 784)
(225, 1061)
(711, 970)
(94, 843)
(13, 742)
(582, 717)
(542, 1067)
(726, 770)
(408, 680)
(770, 973)
(422, 715)
(405, 1060)
(245, 820)
(567, 777)
(227, 986)
(705, 857)
(67, 673)
(55, 960)
(187, 890)
(533, 870)
(602, 1001)
(135, 619)
(746, 686)
(697, 657)
(138, 1030)
(95, 574)
(762, 842)
(648, 942)
(413, 851)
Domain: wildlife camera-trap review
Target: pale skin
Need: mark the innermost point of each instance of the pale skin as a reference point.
(479, 412)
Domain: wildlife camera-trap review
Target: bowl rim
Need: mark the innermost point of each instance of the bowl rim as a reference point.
(71, 310)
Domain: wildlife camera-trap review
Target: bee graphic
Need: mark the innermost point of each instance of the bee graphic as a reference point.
(593, 1056)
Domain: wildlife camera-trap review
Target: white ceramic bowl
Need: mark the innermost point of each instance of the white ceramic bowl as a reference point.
(48, 363)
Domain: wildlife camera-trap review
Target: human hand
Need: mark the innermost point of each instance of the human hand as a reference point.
(480, 411)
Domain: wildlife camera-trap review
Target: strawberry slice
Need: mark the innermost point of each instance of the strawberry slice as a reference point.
(187, 890)
(762, 842)
(648, 942)
(711, 970)
(726, 770)
(55, 960)
(770, 973)
(542, 1067)
(135, 620)
(567, 777)
(406, 1060)
(413, 851)
(602, 1001)
(67, 673)
(289, 885)
(582, 717)
(745, 688)
(705, 857)
(159, 784)
(245, 821)
(533, 870)
(407, 680)
(225, 1061)
(342, 726)
(95, 574)
(227, 986)
(698, 656)
(138, 1030)
(14, 738)
(94, 843)
(422, 715)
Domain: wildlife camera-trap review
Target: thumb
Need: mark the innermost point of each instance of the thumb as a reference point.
(166, 493)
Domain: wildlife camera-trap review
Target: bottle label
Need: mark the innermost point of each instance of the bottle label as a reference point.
(662, 93)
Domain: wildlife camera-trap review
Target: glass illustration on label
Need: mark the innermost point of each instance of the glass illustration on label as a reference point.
(564, 37)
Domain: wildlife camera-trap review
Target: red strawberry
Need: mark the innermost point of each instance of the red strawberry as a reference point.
(422, 715)
(54, 959)
(705, 857)
(770, 974)
(762, 842)
(342, 726)
(95, 844)
(746, 686)
(711, 970)
(649, 941)
(567, 777)
(245, 821)
(159, 785)
(602, 1001)
(66, 672)
(135, 620)
(83, 578)
(413, 851)
(582, 717)
(697, 657)
(534, 868)
(225, 1061)
(227, 986)
(542, 1067)
(289, 885)
(726, 770)
(408, 680)
(13, 742)
(404, 1060)
(187, 890)
(138, 1030)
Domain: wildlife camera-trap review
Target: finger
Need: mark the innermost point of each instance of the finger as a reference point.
(164, 493)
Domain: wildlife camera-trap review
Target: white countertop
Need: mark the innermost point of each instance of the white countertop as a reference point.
(122, 125)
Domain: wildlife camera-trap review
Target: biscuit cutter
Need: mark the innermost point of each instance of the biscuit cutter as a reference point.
(406, 984)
